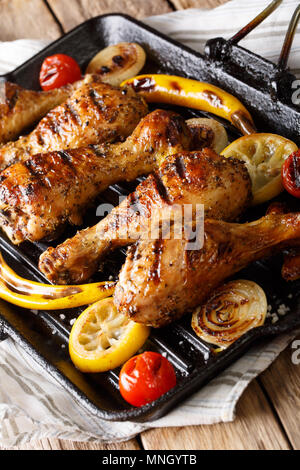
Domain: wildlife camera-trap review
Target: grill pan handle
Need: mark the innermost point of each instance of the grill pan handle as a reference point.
(283, 80)
(255, 22)
(288, 41)
(260, 74)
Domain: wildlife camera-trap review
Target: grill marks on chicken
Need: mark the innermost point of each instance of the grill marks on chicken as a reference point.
(46, 191)
(203, 177)
(161, 280)
(95, 113)
(21, 108)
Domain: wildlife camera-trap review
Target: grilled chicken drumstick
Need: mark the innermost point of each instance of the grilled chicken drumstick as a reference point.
(39, 195)
(203, 177)
(95, 113)
(161, 280)
(21, 108)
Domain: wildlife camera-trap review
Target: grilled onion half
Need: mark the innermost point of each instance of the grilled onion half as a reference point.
(232, 310)
(118, 63)
(209, 133)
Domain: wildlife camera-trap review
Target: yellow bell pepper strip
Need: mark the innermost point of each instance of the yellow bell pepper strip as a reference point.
(181, 91)
(37, 296)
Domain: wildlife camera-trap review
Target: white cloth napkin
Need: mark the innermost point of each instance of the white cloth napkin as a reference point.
(32, 404)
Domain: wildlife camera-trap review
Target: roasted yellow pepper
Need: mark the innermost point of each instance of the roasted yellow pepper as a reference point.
(29, 294)
(193, 94)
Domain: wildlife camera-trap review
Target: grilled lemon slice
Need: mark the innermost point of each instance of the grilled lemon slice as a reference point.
(103, 339)
(118, 63)
(264, 155)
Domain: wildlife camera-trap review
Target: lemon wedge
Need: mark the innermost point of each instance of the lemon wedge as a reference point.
(264, 155)
(102, 338)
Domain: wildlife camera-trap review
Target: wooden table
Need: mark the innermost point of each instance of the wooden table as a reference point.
(268, 414)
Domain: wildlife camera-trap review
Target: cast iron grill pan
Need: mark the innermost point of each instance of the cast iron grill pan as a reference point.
(44, 335)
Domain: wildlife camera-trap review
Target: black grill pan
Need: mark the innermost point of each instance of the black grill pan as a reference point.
(45, 334)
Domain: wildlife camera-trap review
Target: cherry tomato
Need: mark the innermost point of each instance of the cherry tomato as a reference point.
(291, 174)
(58, 70)
(146, 377)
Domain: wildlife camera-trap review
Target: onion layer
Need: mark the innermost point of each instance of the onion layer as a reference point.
(230, 312)
(118, 63)
(213, 133)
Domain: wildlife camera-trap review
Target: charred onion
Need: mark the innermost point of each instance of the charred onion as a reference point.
(231, 311)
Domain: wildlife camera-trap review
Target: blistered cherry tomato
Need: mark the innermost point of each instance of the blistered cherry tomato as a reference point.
(146, 377)
(291, 174)
(58, 70)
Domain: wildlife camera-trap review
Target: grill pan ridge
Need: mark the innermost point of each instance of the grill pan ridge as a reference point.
(44, 335)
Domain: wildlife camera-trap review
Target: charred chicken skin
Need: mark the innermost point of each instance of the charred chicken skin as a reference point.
(291, 266)
(95, 113)
(21, 108)
(200, 177)
(39, 195)
(161, 280)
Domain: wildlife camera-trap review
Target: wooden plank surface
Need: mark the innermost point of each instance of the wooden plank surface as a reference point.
(255, 428)
(57, 444)
(84, 9)
(282, 383)
(183, 4)
(26, 19)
